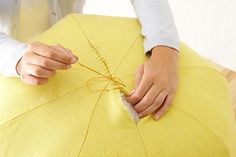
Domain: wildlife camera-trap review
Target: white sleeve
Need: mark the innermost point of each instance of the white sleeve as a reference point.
(157, 23)
(10, 53)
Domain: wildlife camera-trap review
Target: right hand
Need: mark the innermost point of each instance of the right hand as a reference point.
(41, 61)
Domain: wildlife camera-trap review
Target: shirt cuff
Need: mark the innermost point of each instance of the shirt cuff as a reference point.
(11, 52)
(14, 59)
(152, 41)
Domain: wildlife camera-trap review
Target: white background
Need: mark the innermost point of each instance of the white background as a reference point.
(208, 26)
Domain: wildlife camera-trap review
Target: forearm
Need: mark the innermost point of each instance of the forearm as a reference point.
(157, 23)
(10, 53)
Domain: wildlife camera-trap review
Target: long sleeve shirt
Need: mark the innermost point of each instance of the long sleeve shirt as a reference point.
(155, 17)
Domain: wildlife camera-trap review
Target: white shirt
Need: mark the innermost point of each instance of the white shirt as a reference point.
(155, 17)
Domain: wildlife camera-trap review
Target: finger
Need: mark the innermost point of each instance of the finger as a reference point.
(46, 51)
(63, 49)
(147, 99)
(156, 104)
(130, 94)
(32, 80)
(38, 71)
(139, 75)
(46, 63)
(164, 108)
(140, 92)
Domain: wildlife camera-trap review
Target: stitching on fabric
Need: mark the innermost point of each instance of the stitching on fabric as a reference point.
(116, 82)
(123, 58)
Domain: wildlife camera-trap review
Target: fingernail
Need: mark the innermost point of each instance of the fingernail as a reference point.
(76, 57)
(68, 66)
(73, 60)
(132, 92)
(157, 117)
(140, 115)
(69, 52)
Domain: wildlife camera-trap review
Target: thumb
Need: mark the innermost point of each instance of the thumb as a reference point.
(139, 75)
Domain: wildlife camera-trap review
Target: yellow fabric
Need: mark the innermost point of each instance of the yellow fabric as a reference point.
(67, 118)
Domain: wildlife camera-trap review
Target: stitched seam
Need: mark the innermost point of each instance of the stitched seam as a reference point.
(27, 112)
(224, 145)
(142, 141)
(202, 67)
(90, 120)
(123, 58)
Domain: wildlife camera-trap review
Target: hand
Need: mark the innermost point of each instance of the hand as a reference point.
(40, 62)
(156, 83)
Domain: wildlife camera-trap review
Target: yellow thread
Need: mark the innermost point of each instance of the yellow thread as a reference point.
(90, 120)
(97, 90)
(100, 57)
(117, 82)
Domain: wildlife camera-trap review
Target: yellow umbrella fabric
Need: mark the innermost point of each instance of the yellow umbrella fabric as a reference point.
(81, 114)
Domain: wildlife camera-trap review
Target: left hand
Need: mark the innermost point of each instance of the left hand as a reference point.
(156, 83)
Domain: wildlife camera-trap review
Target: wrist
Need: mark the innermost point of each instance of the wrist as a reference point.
(164, 51)
(164, 54)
